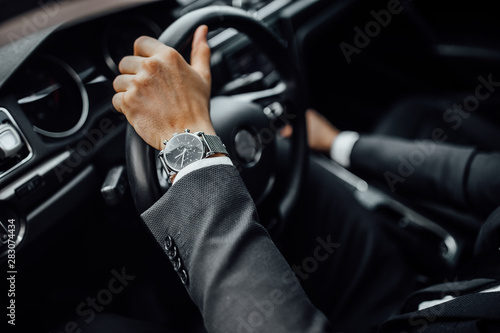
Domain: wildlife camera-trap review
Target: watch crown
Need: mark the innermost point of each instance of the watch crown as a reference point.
(165, 142)
(187, 130)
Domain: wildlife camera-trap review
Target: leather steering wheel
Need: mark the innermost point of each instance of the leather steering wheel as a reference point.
(248, 133)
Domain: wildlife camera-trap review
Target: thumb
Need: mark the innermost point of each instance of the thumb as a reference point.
(200, 53)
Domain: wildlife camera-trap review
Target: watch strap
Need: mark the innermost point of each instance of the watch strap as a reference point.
(214, 145)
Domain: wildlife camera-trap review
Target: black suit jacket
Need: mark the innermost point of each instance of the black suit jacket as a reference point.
(208, 227)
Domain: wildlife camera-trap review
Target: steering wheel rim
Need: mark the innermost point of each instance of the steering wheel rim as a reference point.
(141, 164)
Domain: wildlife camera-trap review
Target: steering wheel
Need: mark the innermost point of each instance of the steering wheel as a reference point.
(247, 131)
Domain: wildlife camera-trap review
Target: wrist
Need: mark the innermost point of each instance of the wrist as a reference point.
(217, 155)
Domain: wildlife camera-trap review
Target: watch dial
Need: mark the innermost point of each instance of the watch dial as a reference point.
(182, 150)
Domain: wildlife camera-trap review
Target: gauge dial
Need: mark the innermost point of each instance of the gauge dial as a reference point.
(53, 97)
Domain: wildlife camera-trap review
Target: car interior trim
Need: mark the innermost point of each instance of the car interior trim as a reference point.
(41, 170)
(261, 14)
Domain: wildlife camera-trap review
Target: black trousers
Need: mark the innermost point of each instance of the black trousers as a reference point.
(349, 266)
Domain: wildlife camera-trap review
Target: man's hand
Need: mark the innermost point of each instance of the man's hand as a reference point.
(160, 93)
(320, 132)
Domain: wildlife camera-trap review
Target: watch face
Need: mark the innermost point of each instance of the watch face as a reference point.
(182, 150)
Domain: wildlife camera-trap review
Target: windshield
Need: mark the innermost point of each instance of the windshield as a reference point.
(22, 18)
(14, 8)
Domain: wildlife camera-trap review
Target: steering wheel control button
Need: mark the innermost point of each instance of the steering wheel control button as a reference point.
(247, 147)
(274, 110)
(10, 141)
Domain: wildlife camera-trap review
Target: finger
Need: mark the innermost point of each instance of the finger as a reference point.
(147, 46)
(122, 82)
(130, 65)
(200, 53)
(286, 131)
(118, 101)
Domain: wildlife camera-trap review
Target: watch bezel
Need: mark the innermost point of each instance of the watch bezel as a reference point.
(164, 153)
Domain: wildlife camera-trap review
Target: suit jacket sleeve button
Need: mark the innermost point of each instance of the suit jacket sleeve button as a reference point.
(177, 264)
(184, 277)
(172, 253)
(168, 243)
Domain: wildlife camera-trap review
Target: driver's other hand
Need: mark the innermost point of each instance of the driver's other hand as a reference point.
(320, 132)
(160, 93)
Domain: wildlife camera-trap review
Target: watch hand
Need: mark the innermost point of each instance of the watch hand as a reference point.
(183, 154)
(184, 151)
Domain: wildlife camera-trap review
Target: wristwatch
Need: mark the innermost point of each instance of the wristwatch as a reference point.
(185, 148)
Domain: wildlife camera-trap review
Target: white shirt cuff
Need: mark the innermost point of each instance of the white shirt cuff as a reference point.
(341, 148)
(206, 162)
(428, 304)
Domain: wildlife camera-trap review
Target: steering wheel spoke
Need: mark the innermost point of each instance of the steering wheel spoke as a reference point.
(258, 96)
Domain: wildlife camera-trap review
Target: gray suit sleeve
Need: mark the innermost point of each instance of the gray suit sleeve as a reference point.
(432, 170)
(234, 273)
(457, 175)
(483, 182)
